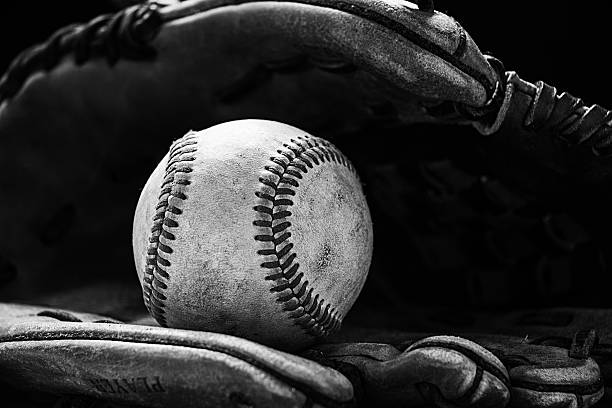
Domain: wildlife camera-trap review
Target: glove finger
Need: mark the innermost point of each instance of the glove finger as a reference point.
(542, 375)
(546, 376)
(156, 367)
(461, 371)
(444, 370)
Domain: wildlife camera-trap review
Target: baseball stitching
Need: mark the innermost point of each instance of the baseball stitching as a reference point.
(172, 194)
(278, 185)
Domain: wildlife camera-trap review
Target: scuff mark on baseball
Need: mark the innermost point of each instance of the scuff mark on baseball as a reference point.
(281, 267)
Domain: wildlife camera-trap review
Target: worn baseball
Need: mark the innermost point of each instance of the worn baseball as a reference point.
(253, 228)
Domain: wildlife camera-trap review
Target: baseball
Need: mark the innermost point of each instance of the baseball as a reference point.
(253, 228)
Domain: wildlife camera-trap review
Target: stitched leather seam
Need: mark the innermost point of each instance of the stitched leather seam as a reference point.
(172, 193)
(279, 181)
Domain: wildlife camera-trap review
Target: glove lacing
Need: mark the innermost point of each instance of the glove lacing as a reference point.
(566, 117)
(571, 119)
(123, 34)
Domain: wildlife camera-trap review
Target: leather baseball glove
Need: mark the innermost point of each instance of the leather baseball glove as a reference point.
(87, 358)
(85, 116)
(99, 103)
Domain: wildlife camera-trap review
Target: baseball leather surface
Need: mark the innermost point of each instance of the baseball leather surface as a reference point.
(253, 228)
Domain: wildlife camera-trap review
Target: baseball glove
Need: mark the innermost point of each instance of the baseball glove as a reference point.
(123, 86)
(82, 356)
(85, 116)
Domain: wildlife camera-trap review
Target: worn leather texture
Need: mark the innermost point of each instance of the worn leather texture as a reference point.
(127, 85)
(549, 353)
(361, 365)
(253, 228)
(64, 352)
(431, 370)
(545, 251)
(538, 375)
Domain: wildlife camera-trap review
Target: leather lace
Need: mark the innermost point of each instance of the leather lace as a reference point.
(571, 119)
(111, 36)
(584, 344)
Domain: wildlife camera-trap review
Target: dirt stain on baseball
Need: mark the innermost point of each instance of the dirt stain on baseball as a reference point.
(325, 257)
